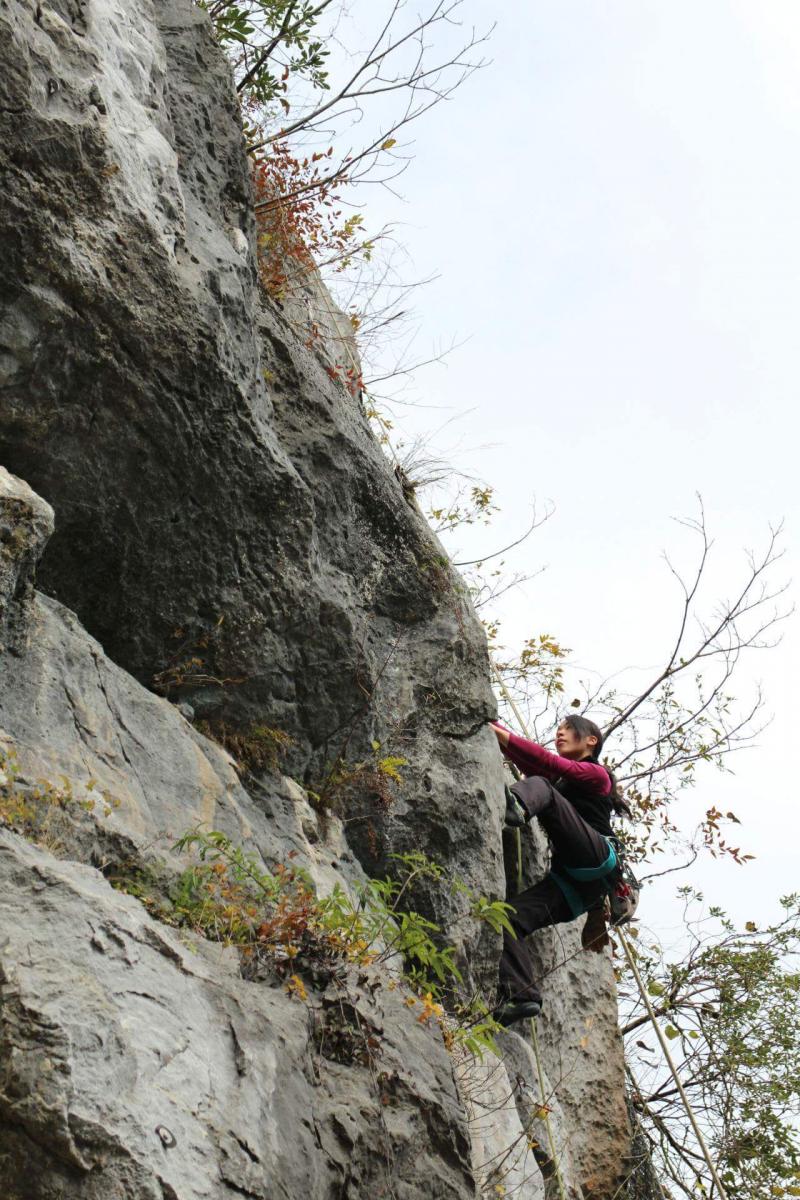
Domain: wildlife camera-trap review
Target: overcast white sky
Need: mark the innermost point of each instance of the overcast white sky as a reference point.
(614, 209)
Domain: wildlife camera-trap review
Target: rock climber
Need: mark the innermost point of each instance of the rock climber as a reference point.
(573, 796)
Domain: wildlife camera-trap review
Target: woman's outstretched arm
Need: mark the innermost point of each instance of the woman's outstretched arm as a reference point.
(533, 759)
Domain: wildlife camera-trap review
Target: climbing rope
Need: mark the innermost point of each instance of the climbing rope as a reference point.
(546, 1111)
(701, 1141)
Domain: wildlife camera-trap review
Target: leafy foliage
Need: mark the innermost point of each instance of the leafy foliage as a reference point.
(44, 812)
(187, 662)
(271, 41)
(258, 748)
(477, 506)
(317, 125)
(300, 222)
(274, 45)
(730, 1009)
(538, 671)
(377, 776)
(276, 918)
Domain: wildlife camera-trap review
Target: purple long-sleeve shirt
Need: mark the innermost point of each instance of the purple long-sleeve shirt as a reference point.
(533, 759)
(584, 783)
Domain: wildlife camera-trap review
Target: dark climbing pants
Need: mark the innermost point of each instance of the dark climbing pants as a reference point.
(574, 843)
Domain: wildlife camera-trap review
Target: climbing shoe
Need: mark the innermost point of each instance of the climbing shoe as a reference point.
(515, 813)
(518, 1010)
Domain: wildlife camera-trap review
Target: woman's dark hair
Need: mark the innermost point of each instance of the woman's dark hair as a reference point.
(582, 727)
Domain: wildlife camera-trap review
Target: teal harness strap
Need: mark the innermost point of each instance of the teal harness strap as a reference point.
(577, 906)
(582, 875)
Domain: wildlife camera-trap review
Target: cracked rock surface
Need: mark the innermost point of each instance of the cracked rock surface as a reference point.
(246, 543)
(137, 1066)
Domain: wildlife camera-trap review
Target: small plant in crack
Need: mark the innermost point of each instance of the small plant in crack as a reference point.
(187, 665)
(378, 776)
(260, 747)
(44, 812)
(281, 926)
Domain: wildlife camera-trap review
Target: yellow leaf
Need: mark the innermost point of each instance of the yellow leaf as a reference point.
(387, 145)
(295, 987)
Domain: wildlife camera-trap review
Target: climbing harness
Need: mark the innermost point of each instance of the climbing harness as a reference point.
(576, 902)
(582, 874)
(629, 955)
(621, 885)
(623, 894)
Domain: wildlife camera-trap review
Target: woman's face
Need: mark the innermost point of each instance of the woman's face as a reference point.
(569, 745)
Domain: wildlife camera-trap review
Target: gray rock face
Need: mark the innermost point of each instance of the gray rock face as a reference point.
(580, 1047)
(503, 1151)
(94, 961)
(582, 1052)
(134, 1065)
(251, 549)
(67, 712)
(536, 1096)
(26, 523)
(230, 531)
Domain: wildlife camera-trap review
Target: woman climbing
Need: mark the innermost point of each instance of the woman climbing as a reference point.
(573, 795)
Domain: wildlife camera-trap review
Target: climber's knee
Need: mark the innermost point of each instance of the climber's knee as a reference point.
(534, 794)
(537, 907)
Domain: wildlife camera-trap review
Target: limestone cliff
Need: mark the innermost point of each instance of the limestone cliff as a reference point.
(228, 531)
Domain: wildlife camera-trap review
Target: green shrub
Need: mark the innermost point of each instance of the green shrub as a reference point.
(277, 918)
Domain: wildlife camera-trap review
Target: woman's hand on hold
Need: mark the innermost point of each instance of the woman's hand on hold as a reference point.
(501, 734)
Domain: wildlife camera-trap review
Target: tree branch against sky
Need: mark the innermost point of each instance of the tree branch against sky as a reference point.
(686, 714)
(728, 1002)
(330, 92)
